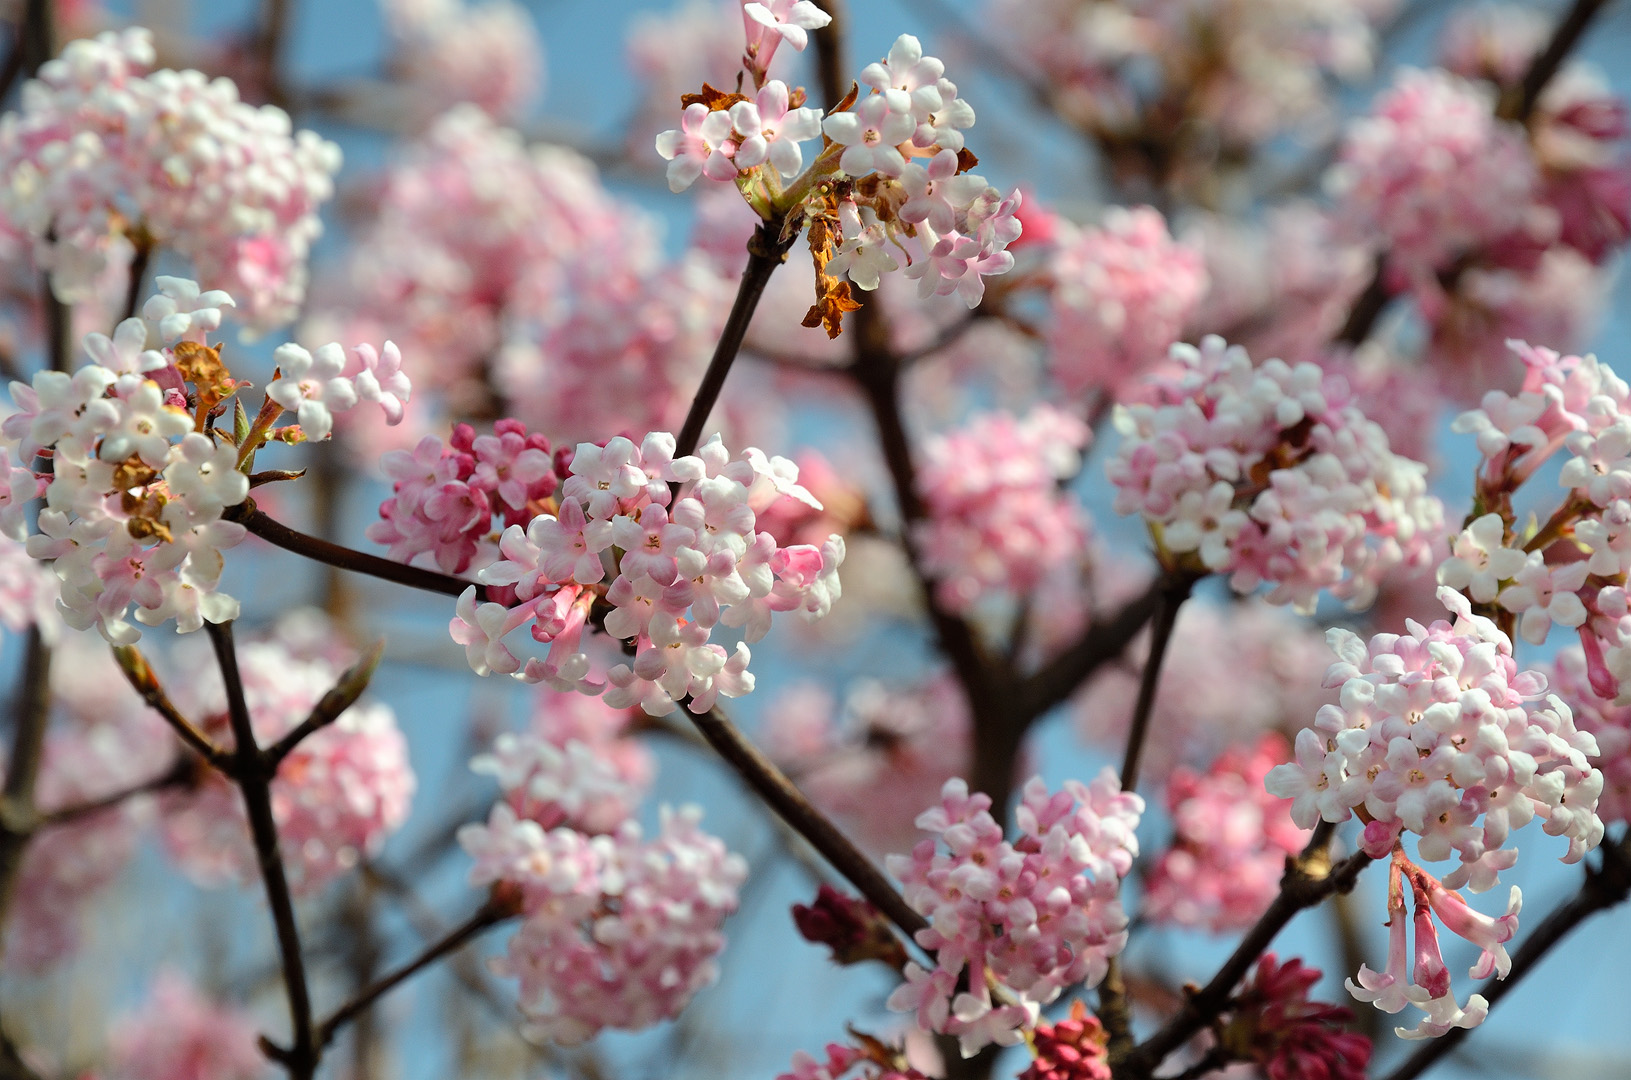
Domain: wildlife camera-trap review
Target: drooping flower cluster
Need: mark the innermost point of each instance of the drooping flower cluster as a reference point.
(447, 52)
(1436, 735)
(875, 762)
(1268, 472)
(891, 177)
(102, 158)
(1419, 977)
(619, 931)
(1230, 845)
(1122, 294)
(997, 520)
(178, 1034)
(141, 476)
(336, 797)
(446, 497)
(1020, 920)
(680, 562)
(1289, 1037)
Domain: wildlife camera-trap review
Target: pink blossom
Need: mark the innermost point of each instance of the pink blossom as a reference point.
(180, 1035)
(702, 146)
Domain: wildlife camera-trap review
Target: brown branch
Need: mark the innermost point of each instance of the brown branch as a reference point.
(773, 786)
(37, 36)
(1172, 598)
(143, 243)
(18, 815)
(280, 535)
(1367, 308)
(271, 34)
(766, 250)
(497, 909)
(1519, 104)
(300, 1059)
(1104, 641)
(1309, 879)
(182, 774)
(344, 694)
(1604, 887)
(141, 678)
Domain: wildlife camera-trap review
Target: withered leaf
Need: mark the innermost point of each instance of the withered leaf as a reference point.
(717, 100)
(966, 160)
(828, 311)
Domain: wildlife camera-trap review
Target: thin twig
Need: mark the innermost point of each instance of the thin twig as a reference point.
(344, 694)
(1309, 879)
(280, 535)
(300, 1059)
(1166, 617)
(182, 774)
(138, 272)
(766, 250)
(1604, 887)
(784, 797)
(1105, 640)
(490, 914)
(140, 675)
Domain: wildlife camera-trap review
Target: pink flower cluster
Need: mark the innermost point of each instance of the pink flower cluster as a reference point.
(875, 762)
(619, 931)
(1290, 1037)
(1436, 734)
(1419, 977)
(336, 797)
(1122, 294)
(133, 508)
(1573, 571)
(178, 1034)
(1605, 721)
(1075, 1048)
(446, 497)
(997, 519)
(447, 52)
(1431, 174)
(669, 544)
(907, 132)
(100, 152)
(873, 1062)
(1239, 72)
(529, 285)
(1230, 845)
(1268, 473)
(101, 740)
(1021, 920)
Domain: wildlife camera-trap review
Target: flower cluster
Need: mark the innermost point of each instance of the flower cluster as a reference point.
(669, 544)
(997, 519)
(511, 276)
(1021, 920)
(1273, 1024)
(875, 762)
(447, 52)
(446, 497)
(892, 175)
(1572, 571)
(1434, 735)
(178, 1034)
(337, 795)
(140, 475)
(1075, 1048)
(1267, 472)
(619, 931)
(1232, 838)
(1419, 977)
(1122, 293)
(1432, 174)
(100, 741)
(101, 158)
(871, 1060)
(1605, 721)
